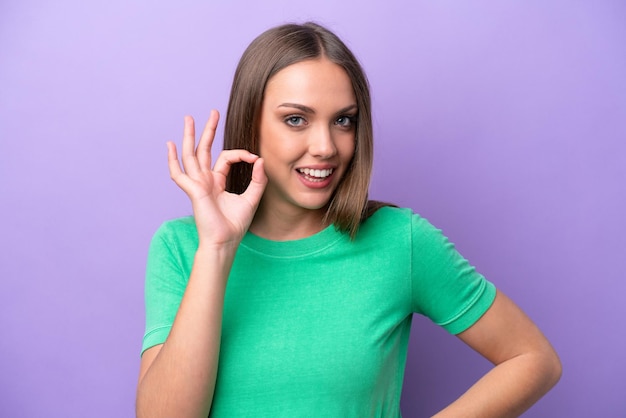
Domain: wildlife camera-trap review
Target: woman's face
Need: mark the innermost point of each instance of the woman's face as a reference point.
(306, 134)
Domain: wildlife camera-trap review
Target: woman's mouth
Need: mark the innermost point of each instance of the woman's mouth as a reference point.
(315, 175)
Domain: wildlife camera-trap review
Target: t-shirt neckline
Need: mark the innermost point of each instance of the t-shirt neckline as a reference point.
(293, 248)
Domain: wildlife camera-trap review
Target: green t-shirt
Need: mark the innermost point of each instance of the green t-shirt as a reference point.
(320, 326)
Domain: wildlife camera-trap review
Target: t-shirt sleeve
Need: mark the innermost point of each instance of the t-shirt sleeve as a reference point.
(445, 287)
(165, 285)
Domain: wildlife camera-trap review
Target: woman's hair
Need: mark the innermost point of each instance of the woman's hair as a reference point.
(271, 52)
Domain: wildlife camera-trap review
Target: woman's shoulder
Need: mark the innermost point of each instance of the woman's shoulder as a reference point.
(179, 223)
(394, 218)
(385, 211)
(179, 230)
(380, 212)
(386, 218)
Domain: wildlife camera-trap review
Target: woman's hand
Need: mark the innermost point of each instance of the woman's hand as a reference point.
(177, 378)
(221, 217)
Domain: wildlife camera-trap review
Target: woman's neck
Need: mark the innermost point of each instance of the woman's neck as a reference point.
(277, 225)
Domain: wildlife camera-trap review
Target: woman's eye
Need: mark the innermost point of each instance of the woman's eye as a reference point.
(345, 121)
(295, 121)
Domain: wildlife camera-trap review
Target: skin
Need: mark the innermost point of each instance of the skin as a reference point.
(177, 378)
(305, 123)
(526, 365)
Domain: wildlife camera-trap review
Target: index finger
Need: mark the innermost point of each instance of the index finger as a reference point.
(229, 157)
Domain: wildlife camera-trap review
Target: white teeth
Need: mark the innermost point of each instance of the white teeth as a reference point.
(320, 174)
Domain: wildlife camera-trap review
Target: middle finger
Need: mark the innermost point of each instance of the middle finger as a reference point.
(203, 152)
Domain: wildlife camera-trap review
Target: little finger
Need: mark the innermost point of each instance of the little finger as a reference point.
(172, 161)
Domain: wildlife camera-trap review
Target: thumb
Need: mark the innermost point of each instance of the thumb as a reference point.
(255, 189)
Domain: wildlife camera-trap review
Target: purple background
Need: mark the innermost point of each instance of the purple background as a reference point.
(504, 123)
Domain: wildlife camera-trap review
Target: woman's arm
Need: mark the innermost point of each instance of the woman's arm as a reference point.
(526, 365)
(177, 378)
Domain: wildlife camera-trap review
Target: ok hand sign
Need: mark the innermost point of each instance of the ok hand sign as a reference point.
(221, 217)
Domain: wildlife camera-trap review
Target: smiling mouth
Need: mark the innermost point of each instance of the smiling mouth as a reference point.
(315, 175)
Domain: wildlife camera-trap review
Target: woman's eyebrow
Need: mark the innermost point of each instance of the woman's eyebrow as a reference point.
(307, 109)
(348, 108)
(303, 108)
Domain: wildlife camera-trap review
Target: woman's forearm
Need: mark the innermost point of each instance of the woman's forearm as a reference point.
(510, 388)
(181, 378)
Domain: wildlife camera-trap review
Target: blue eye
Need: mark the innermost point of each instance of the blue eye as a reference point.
(295, 121)
(345, 121)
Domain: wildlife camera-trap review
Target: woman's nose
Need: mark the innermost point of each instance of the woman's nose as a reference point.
(322, 144)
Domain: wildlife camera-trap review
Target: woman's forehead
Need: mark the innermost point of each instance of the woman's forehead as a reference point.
(310, 81)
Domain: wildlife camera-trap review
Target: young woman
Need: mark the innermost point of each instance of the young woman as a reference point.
(288, 293)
